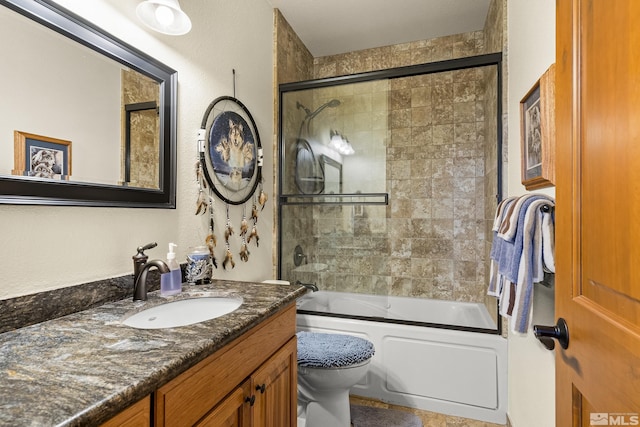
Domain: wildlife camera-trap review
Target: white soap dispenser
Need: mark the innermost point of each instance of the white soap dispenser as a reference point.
(171, 282)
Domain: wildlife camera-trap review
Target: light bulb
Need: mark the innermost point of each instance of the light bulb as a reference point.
(164, 15)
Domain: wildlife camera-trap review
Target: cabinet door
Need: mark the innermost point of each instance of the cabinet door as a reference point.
(136, 415)
(233, 411)
(275, 388)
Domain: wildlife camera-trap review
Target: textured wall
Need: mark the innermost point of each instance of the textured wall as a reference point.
(418, 52)
(531, 50)
(294, 62)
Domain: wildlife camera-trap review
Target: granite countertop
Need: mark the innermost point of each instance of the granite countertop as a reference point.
(83, 368)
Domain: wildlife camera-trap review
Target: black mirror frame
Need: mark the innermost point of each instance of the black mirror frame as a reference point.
(28, 191)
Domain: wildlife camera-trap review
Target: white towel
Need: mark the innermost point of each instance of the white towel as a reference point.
(549, 240)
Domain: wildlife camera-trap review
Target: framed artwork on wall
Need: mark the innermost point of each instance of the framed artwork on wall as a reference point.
(537, 133)
(231, 157)
(41, 156)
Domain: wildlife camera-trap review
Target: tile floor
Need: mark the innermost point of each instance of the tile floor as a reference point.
(371, 416)
(429, 419)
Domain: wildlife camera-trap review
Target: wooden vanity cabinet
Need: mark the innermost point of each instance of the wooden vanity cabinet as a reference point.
(250, 382)
(136, 415)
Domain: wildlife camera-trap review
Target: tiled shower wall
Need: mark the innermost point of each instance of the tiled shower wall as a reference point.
(429, 241)
(435, 164)
(439, 145)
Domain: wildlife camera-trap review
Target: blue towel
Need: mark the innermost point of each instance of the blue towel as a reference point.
(511, 251)
(521, 251)
(496, 280)
(507, 250)
(317, 350)
(532, 264)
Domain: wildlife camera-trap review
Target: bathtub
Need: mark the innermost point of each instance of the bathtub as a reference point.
(430, 355)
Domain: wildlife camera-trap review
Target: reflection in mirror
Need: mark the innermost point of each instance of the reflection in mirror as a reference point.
(140, 145)
(76, 95)
(141, 148)
(117, 114)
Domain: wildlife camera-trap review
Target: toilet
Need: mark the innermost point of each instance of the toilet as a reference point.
(328, 366)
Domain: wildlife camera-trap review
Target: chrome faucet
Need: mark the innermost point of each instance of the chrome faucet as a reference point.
(140, 285)
(311, 286)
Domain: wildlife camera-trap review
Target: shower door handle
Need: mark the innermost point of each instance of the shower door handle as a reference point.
(546, 334)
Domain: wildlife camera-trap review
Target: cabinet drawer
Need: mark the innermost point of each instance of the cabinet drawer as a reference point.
(191, 395)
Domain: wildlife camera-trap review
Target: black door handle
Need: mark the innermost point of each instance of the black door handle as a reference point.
(546, 334)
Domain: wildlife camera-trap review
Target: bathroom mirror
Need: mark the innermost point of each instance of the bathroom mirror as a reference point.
(91, 102)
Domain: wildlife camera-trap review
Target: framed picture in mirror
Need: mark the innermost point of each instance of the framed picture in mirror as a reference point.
(41, 156)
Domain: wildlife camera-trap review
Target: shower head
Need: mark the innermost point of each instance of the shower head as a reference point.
(310, 115)
(333, 103)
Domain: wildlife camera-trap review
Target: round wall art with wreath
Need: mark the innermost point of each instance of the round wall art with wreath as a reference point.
(231, 156)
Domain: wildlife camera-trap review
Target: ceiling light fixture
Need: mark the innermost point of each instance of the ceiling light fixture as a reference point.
(164, 16)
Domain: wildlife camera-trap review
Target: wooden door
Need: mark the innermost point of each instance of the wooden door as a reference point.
(598, 211)
(275, 388)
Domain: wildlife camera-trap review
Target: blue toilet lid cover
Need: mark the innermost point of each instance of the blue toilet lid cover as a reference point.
(320, 350)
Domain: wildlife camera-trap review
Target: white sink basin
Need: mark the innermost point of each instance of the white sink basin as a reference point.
(183, 312)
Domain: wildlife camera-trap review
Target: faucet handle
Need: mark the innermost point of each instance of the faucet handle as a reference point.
(140, 259)
(141, 249)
